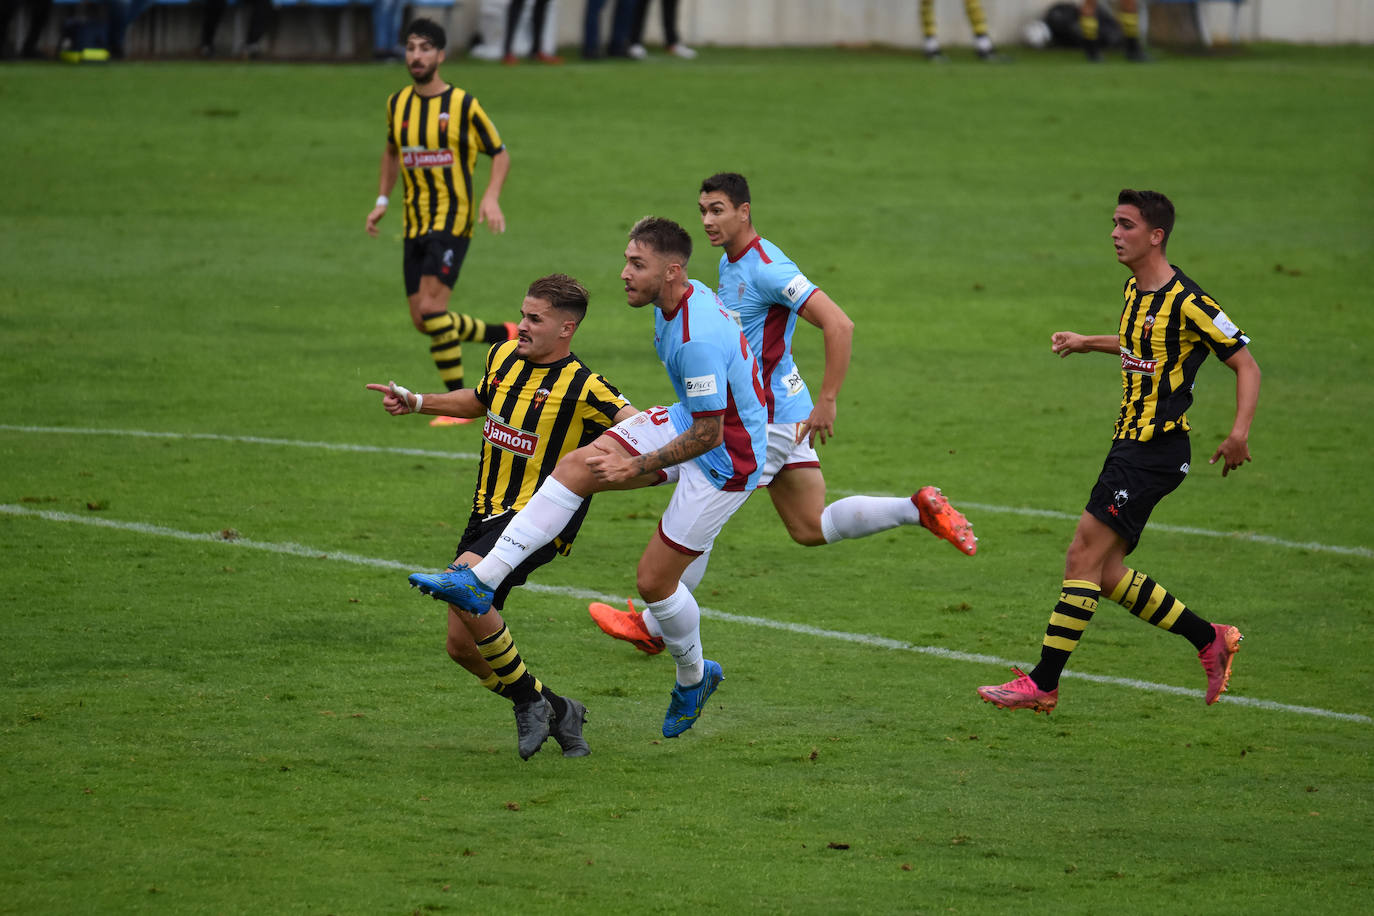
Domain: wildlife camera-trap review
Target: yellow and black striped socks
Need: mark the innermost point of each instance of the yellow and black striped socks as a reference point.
(447, 331)
(1077, 602)
(1148, 600)
(977, 19)
(515, 682)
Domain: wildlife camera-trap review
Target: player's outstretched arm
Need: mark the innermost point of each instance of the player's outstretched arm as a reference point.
(1065, 342)
(398, 400)
(838, 331)
(1235, 448)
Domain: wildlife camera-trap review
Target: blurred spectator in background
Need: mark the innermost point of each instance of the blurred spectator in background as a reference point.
(387, 16)
(982, 42)
(622, 20)
(122, 15)
(1129, 18)
(671, 39)
(537, 51)
(38, 12)
(260, 19)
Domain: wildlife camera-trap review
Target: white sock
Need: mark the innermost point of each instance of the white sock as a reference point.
(860, 516)
(679, 617)
(546, 514)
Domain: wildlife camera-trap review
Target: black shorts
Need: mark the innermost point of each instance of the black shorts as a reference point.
(1134, 478)
(435, 254)
(482, 534)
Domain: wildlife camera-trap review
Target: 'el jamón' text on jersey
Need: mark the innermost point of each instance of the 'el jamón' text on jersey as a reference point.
(438, 138)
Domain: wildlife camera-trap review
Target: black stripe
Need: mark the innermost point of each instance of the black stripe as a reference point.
(464, 147)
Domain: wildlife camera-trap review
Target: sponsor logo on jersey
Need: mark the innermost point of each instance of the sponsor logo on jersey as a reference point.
(509, 439)
(1225, 325)
(794, 287)
(416, 157)
(700, 386)
(1132, 363)
(793, 383)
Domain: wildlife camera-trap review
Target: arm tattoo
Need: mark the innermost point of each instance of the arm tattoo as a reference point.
(704, 434)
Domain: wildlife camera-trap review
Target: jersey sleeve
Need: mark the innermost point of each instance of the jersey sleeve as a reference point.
(1215, 328)
(390, 119)
(702, 372)
(785, 284)
(601, 401)
(488, 137)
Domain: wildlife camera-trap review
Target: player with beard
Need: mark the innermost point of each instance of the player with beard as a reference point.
(434, 133)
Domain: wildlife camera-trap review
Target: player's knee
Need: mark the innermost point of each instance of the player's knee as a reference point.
(652, 584)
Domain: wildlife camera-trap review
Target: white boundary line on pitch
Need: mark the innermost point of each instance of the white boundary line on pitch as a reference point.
(881, 642)
(1270, 540)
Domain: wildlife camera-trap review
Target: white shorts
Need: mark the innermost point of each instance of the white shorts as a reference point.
(784, 451)
(697, 510)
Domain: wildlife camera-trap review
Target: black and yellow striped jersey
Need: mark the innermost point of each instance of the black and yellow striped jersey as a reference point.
(438, 138)
(536, 414)
(1164, 337)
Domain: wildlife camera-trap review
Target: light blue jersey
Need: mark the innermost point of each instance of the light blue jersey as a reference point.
(714, 373)
(766, 291)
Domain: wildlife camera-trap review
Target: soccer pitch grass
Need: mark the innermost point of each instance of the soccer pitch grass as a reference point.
(220, 696)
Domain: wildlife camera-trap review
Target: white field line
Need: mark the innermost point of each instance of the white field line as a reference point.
(300, 550)
(1268, 540)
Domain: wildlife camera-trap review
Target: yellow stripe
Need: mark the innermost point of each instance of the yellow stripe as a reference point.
(1060, 643)
(1128, 581)
(1069, 623)
(1168, 622)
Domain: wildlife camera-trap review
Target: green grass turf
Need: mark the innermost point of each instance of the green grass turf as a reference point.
(269, 724)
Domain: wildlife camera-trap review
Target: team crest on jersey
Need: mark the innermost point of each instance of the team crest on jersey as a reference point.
(1149, 321)
(443, 120)
(540, 397)
(1132, 363)
(510, 439)
(1119, 499)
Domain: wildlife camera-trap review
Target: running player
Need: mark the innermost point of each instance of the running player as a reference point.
(766, 292)
(1167, 328)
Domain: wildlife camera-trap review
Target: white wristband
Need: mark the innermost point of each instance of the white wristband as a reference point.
(382, 200)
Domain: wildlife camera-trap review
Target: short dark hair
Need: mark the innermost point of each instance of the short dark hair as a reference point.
(663, 236)
(429, 30)
(732, 184)
(1156, 209)
(562, 292)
